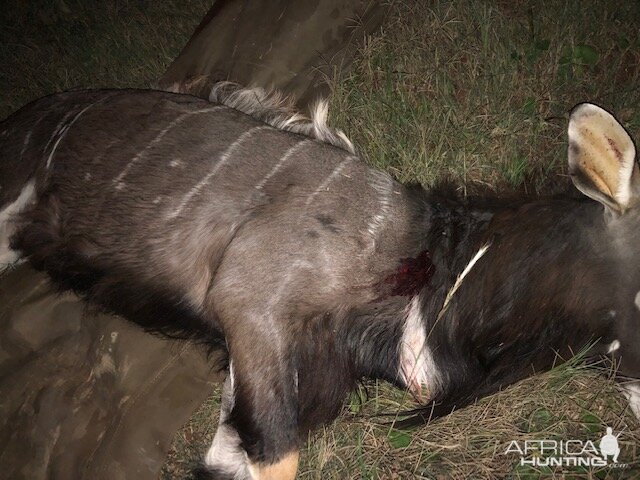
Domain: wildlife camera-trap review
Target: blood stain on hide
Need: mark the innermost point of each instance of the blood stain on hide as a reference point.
(411, 276)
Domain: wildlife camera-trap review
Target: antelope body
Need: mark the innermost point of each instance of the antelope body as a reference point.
(264, 234)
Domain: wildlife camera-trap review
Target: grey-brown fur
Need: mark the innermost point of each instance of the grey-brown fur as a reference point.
(134, 192)
(310, 268)
(152, 198)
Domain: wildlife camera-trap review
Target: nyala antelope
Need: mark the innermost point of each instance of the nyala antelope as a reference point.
(240, 224)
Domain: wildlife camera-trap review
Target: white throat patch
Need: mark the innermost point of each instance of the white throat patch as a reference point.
(417, 367)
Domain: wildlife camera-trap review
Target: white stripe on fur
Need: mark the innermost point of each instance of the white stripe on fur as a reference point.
(118, 180)
(383, 185)
(65, 128)
(288, 154)
(223, 160)
(325, 184)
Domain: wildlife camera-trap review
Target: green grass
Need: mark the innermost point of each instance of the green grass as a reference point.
(477, 92)
(569, 402)
(48, 46)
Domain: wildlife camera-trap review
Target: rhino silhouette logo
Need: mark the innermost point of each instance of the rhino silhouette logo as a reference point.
(609, 445)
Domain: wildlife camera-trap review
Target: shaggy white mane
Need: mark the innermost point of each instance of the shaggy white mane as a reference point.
(277, 110)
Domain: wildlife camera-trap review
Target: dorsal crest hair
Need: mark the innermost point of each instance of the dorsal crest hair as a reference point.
(276, 109)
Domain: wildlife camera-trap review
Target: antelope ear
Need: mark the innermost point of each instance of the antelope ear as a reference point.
(602, 157)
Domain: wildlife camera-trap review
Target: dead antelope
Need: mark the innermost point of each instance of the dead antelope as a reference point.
(262, 232)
